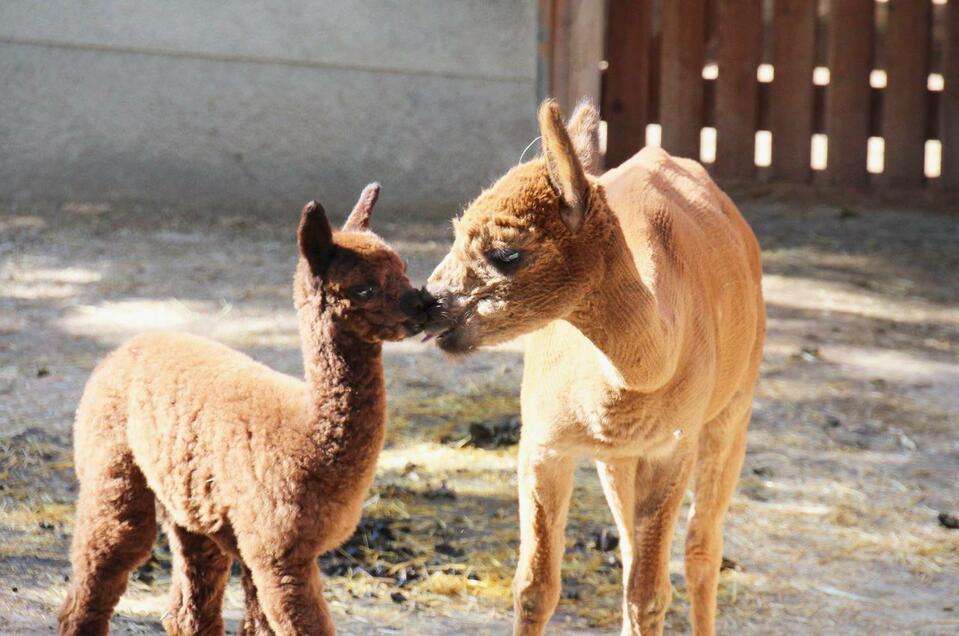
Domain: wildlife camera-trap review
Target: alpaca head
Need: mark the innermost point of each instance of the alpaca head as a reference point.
(355, 276)
(525, 250)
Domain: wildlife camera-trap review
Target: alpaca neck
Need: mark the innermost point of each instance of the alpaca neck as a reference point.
(629, 325)
(345, 393)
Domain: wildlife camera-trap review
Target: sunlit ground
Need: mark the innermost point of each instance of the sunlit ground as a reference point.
(853, 448)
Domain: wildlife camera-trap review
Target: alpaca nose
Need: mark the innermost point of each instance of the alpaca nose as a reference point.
(415, 302)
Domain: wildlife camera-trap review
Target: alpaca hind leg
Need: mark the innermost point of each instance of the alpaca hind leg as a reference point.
(200, 573)
(722, 446)
(115, 531)
(255, 622)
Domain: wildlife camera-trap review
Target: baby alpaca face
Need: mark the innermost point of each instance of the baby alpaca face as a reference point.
(367, 283)
(509, 271)
(524, 253)
(356, 276)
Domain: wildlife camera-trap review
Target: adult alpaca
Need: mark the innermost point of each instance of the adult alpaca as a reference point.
(239, 460)
(640, 292)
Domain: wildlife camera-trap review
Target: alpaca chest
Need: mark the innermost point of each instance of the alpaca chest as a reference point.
(583, 413)
(615, 422)
(573, 399)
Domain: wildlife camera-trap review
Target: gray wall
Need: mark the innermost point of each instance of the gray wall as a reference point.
(263, 104)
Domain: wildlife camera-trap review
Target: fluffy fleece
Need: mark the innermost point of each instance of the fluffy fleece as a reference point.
(640, 291)
(238, 460)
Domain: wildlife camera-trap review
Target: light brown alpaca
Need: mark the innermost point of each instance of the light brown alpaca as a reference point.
(241, 461)
(640, 290)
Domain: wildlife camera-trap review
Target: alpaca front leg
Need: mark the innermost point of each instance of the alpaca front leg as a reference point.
(618, 478)
(291, 595)
(658, 495)
(545, 486)
(255, 622)
(200, 572)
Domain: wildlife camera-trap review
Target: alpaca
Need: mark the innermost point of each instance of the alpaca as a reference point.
(640, 291)
(240, 461)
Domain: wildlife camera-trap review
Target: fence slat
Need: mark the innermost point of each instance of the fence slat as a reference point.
(626, 107)
(740, 31)
(791, 98)
(544, 50)
(904, 102)
(681, 82)
(847, 98)
(949, 107)
(577, 50)
(559, 50)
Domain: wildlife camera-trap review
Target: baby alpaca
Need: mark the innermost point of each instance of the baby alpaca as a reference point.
(640, 291)
(241, 461)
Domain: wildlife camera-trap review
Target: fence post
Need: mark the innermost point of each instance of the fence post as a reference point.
(626, 97)
(950, 101)
(847, 97)
(791, 94)
(905, 102)
(577, 51)
(740, 41)
(681, 81)
(544, 49)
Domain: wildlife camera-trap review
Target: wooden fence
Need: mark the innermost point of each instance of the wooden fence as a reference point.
(843, 92)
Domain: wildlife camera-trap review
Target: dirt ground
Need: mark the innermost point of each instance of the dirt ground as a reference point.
(835, 528)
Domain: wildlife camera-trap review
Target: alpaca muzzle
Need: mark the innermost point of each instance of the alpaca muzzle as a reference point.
(416, 304)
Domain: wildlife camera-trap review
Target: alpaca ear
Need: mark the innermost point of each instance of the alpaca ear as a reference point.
(565, 171)
(315, 238)
(359, 218)
(583, 130)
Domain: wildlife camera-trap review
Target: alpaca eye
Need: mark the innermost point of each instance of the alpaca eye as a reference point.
(504, 258)
(362, 292)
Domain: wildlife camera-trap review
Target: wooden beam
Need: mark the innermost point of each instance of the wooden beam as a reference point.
(559, 71)
(949, 106)
(544, 49)
(905, 99)
(655, 75)
(681, 82)
(740, 31)
(626, 105)
(577, 51)
(847, 99)
(792, 91)
(587, 29)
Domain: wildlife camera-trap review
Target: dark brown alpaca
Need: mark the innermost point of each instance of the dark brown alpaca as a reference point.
(238, 460)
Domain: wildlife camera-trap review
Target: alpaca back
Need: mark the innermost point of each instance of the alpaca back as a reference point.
(694, 249)
(203, 422)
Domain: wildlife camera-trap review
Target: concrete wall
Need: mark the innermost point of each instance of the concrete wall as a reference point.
(264, 104)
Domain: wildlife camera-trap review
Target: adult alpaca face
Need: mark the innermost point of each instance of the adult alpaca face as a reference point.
(356, 276)
(524, 250)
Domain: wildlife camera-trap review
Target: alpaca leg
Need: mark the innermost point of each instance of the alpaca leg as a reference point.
(721, 450)
(200, 573)
(115, 530)
(659, 488)
(291, 595)
(618, 478)
(254, 622)
(545, 486)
